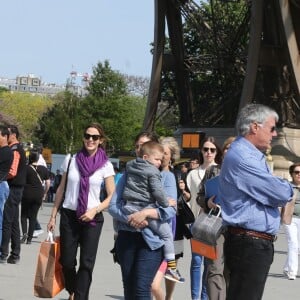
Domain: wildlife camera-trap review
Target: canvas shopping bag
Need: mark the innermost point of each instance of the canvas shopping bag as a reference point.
(208, 227)
(48, 280)
(206, 230)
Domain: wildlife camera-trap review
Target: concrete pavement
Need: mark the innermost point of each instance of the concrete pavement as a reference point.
(16, 281)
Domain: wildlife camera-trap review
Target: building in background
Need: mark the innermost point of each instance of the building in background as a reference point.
(33, 84)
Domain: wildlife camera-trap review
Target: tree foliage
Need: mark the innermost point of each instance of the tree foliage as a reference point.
(3, 89)
(220, 48)
(121, 118)
(108, 103)
(137, 85)
(215, 37)
(24, 110)
(60, 128)
(106, 82)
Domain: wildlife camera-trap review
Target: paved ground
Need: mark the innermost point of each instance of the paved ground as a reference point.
(16, 281)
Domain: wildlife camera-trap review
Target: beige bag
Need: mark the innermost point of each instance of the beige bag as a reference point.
(288, 210)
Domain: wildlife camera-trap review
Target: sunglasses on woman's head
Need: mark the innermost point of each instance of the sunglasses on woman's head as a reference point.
(212, 150)
(95, 137)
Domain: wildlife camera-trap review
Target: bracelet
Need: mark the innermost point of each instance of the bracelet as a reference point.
(53, 216)
(98, 209)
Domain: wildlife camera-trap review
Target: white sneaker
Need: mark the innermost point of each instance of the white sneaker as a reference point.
(289, 275)
(36, 233)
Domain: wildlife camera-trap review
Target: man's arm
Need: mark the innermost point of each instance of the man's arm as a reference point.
(14, 166)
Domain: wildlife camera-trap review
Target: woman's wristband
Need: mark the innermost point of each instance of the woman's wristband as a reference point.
(98, 209)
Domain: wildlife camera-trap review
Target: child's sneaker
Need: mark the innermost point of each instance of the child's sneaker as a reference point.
(174, 275)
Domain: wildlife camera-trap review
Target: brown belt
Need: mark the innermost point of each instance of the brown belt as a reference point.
(252, 233)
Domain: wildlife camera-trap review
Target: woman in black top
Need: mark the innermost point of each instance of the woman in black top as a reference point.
(35, 190)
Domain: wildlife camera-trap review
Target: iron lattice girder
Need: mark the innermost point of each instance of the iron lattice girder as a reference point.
(260, 54)
(274, 50)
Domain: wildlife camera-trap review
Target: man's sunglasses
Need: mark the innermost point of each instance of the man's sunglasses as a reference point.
(95, 137)
(272, 129)
(296, 172)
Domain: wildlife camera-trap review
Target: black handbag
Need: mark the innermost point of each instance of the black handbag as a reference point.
(184, 211)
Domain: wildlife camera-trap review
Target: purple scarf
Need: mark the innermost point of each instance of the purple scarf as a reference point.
(87, 165)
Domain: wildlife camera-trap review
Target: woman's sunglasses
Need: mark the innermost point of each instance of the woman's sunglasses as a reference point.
(95, 137)
(212, 150)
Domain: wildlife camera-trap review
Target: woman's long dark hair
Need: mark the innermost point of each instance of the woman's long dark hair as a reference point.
(218, 158)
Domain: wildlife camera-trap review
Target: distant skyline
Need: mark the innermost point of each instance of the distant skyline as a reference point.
(51, 38)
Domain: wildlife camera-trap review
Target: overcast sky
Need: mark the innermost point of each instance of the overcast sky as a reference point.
(50, 38)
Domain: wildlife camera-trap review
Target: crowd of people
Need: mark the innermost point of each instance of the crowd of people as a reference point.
(142, 200)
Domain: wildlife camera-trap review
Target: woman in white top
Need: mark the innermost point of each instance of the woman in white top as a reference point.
(81, 217)
(293, 230)
(210, 154)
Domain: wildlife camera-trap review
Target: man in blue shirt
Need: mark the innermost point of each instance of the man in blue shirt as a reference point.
(250, 196)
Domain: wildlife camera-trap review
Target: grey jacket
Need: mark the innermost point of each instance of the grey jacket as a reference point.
(143, 186)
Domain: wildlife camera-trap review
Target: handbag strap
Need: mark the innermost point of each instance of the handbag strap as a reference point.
(67, 174)
(38, 175)
(50, 237)
(213, 209)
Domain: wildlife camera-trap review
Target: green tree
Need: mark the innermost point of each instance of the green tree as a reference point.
(25, 110)
(110, 104)
(121, 117)
(3, 89)
(215, 37)
(221, 48)
(60, 128)
(119, 113)
(105, 82)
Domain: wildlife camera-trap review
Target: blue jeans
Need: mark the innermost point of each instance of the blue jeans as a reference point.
(4, 191)
(197, 277)
(139, 264)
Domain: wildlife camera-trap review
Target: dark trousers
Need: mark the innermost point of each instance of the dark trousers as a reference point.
(29, 210)
(11, 226)
(72, 235)
(139, 265)
(248, 260)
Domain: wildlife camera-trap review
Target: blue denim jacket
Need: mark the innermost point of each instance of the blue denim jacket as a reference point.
(165, 214)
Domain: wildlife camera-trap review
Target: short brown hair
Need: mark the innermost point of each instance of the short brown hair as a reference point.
(148, 134)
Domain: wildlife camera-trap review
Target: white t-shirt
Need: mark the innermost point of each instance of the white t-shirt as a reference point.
(193, 181)
(72, 191)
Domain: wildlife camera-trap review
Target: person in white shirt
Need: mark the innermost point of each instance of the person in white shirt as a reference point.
(81, 217)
